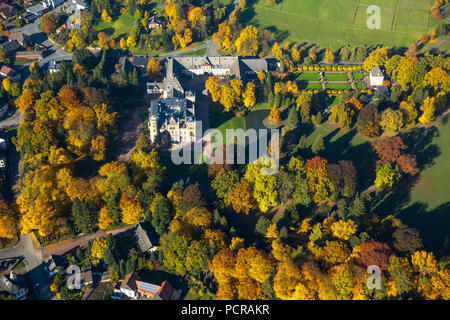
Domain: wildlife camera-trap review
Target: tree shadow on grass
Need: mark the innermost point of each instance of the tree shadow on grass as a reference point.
(108, 31)
(432, 224)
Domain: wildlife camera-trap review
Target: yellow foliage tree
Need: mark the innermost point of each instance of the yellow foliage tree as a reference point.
(131, 209)
(343, 229)
(98, 248)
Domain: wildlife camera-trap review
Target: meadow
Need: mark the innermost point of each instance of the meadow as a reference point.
(342, 22)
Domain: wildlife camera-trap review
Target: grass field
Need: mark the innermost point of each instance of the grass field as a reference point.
(199, 52)
(425, 203)
(357, 76)
(338, 86)
(117, 28)
(335, 76)
(341, 22)
(304, 85)
(308, 76)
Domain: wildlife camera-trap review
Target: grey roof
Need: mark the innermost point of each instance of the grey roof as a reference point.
(35, 9)
(81, 3)
(7, 10)
(383, 91)
(12, 286)
(178, 109)
(11, 46)
(142, 239)
(376, 72)
(245, 68)
(139, 61)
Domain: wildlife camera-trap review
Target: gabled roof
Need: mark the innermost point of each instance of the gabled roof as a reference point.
(8, 71)
(129, 283)
(11, 46)
(166, 291)
(19, 36)
(11, 285)
(7, 10)
(376, 72)
(142, 238)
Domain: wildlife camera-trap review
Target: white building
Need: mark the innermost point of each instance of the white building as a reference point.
(376, 76)
(128, 286)
(80, 5)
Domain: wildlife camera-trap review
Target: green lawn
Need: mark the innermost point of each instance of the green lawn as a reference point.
(425, 204)
(224, 120)
(345, 145)
(342, 22)
(199, 52)
(20, 265)
(335, 76)
(118, 27)
(357, 76)
(308, 76)
(434, 183)
(304, 85)
(338, 86)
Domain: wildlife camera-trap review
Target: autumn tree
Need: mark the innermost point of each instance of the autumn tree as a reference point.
(274, 114)
(154, 67)
(213, 86)
(387, 177)
(391, 120)
(319, 185)
(97, 248)
(240, 198)
(131, 209)
(329, 55)
(249, 95)
(247, 42)
(8, 224)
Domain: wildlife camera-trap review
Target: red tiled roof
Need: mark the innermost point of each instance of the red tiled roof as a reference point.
(166, 291)
(130, 281)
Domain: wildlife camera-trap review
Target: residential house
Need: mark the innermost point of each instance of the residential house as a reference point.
(74, 21)
(128, 286)
(7, 72)
(139, 61)
(142, 239)
(86, 278)
(36, 9)
(125, 64)
(376, 76)
(55, 263)
(21, 38)
(11, 46)
(14, 286)
(80, 5)
(155, 292)
(133, 287)
(154, 23)
(7, 11)
(29, 55)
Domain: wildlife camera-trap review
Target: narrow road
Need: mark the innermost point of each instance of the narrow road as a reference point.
(439, 43)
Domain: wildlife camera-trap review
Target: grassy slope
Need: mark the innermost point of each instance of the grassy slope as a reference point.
(424, 204)
(339, 22)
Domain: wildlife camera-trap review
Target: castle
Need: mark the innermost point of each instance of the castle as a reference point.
(174, 112)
